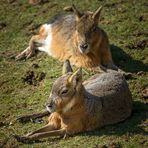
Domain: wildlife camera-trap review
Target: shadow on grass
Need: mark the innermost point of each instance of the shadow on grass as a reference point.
(133, 125)
(126, 62)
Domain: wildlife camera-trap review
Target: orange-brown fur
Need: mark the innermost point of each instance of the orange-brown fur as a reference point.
(80, 116)
(75, 106)
(66, 41)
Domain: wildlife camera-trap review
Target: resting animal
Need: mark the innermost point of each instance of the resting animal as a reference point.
(76, 37)
(77, 106)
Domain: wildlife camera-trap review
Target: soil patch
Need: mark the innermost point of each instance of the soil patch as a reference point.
(2, 25)
(138, 45)
(33, 78)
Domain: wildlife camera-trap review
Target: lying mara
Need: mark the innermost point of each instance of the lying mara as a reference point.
(76, 37)
(77, 106)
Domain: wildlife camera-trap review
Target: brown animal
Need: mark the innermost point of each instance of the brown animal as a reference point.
(75, 106)
(76, 37)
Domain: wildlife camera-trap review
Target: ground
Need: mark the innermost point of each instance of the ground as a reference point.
(25, 85)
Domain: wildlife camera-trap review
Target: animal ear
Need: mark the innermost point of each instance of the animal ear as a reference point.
(96, 14)
(76, 77)
(66, 67)
(76, 11)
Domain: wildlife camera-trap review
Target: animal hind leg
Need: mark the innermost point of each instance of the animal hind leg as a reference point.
(23, 54)
(30, 51)
(112, 67)
(107, 60)
(29, 117)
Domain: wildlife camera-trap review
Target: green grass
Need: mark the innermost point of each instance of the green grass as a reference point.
(125, 23)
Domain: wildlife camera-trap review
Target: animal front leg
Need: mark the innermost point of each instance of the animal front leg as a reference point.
(37, 136)
(47, 128)
(41, 135)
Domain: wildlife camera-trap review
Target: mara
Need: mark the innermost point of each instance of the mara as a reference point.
(77, 106)
(75, 37)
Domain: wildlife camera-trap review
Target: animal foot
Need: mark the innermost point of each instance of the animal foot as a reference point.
(26, 54)
(127, 75)
(23, 139)
(31, 117)
(24, 118)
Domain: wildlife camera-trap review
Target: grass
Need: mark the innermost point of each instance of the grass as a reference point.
(126, 26)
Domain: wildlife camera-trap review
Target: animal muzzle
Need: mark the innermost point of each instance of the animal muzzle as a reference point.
(84, 48)
(50, 107)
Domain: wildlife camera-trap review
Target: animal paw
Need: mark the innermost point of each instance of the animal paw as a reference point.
(26, 54)
(127, 75)
(23, 139)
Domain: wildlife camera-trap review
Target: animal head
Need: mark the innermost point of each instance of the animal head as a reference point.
(86, 28)
(64, 90)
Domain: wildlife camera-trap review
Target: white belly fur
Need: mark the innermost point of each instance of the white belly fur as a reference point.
(47, 42)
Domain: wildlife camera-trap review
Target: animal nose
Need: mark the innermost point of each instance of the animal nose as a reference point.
(49, 107)
(49, 104)
(84, 46)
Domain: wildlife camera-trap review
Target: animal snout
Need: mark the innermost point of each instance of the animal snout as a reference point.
(49, 104)
(83, 48)
(49, 107)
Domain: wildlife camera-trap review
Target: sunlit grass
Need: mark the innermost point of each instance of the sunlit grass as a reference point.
(121, 20)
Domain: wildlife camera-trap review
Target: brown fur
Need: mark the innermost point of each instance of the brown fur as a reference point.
(75, 106)
(69, 34)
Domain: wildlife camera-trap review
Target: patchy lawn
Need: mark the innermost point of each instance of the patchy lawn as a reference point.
(25, 85)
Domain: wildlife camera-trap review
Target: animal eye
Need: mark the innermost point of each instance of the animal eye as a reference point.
(65, 91)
